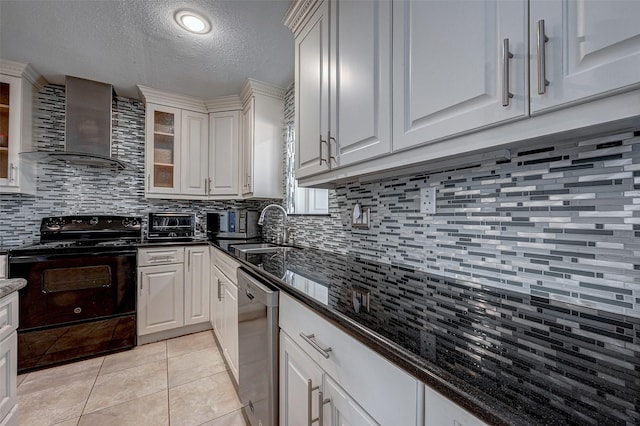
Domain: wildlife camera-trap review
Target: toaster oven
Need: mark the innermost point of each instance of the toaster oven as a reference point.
(171, 226)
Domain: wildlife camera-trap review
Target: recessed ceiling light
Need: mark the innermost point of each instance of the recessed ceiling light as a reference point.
(192, 22)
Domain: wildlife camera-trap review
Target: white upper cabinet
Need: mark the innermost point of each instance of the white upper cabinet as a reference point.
(583, 49)
(261, 173)
(176, 151)
(194, 165)
(205, 150)
(18, 86)
(224, 128)
(312, 94)
(360, 80)
(459, 65)
(343, 84)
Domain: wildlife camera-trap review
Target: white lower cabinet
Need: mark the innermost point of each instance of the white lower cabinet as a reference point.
(359, 387)
(225, 308)
(196, 285)
(172, 294)
(8, 359)
(3, 266)
(161, 295)
(300, 382)
(440, 411)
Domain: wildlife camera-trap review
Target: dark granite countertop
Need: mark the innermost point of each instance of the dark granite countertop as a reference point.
(507, 357)
(8, 286)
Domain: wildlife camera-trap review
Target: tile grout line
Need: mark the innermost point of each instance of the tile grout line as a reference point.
(91, 390)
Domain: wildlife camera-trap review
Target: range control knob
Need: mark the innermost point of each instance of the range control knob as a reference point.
(93, 221)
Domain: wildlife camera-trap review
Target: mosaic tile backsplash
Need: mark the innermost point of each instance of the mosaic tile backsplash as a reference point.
(558, 220)
(68, 189)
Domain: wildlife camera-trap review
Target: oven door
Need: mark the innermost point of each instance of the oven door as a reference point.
(69, 288)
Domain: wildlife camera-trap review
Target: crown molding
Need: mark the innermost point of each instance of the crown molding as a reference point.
(26, 71)
(255, 87)
(155, 96)
(224, 103)
(297, 12)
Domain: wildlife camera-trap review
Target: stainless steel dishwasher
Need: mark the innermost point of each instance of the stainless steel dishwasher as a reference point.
(258, 349)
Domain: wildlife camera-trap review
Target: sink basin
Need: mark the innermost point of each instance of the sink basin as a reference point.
(257, 248)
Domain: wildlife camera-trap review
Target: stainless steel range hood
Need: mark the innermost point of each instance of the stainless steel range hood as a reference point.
(88, 117)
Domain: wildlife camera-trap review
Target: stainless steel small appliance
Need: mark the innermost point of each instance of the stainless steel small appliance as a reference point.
(233, 224)
(257, 349)
(171, 226)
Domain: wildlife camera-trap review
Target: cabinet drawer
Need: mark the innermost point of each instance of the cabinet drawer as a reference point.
(370, 379)
(3, 266)
(227, 265)
(160, 256)
(8, 314)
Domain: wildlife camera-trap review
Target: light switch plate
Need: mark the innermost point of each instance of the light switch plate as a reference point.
(428, 200)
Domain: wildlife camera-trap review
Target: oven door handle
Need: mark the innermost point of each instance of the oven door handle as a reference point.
(45, 257)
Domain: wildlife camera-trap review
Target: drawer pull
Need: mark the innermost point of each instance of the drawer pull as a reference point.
(161, 259)
(309, 339)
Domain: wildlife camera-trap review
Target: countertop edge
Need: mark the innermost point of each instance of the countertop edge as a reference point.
(9, 285)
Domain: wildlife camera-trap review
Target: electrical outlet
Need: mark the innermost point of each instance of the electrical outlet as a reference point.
(428, 200)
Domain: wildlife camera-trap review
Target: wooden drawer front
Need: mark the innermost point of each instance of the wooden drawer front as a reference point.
(227, 265)
(386, 392)
(160, 256)
(8, 314)
(3, 266)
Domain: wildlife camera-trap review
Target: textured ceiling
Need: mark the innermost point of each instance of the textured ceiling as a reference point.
(126, 43)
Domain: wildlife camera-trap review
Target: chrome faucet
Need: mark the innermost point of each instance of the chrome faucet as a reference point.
(285, 230)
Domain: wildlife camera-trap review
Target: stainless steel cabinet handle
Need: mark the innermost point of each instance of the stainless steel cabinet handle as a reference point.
(161, 259)
(219, 290)
(542, 59)
(11, 169)
(321, 402)
(506, 55)
(140, 279)
(189, 262)
(209, 187)
(331, 138)
(149, 181)
(320, 147)
(309, 339)
(310, 389)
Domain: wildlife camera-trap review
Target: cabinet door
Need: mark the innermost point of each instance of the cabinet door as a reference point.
(196, 287)
(163, 149)
(9, 128)
(300, 384)
(194, 164)
(440, 411)
(312, 94)
(449, 67)
(593, 48)
(16, 105)
(360, 97)
(223, 153)
(161, 298)
(341, 409)
(218, 305)
(230, 326)
(248, 125)
(8, 373)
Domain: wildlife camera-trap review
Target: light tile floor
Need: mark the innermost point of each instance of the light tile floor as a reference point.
(181, 381)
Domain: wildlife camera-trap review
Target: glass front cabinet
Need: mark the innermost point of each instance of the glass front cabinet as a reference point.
(16, 100)
(163, 149)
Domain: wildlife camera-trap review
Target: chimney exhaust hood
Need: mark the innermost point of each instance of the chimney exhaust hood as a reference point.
(88, 119)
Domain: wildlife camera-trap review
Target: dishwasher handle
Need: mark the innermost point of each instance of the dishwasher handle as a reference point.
(257, 289)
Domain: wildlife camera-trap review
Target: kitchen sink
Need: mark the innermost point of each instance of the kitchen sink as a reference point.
(257, 248)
